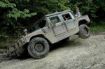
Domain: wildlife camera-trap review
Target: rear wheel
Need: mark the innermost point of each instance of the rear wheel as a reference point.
(84, 31)
(38, 47)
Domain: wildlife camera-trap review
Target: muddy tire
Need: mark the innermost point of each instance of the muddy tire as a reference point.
(38, 47)
(84, 31)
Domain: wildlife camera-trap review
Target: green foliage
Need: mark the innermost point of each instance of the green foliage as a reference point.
(9, 16)
(94, 8)
(17, 14)
(6, 4)
(98, 27)
(42, 6)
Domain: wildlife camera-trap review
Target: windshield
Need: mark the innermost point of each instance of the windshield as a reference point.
(38, 25)
(33, 28)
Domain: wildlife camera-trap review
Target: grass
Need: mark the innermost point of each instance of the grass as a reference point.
(97, 28)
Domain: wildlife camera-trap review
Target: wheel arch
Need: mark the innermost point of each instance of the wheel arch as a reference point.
(84, 22)
(40, 35)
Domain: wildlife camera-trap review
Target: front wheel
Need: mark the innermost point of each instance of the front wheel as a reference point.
(84, 31)
(38, 47)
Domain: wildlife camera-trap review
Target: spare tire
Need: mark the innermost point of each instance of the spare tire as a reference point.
(38, 47)
(84, 31)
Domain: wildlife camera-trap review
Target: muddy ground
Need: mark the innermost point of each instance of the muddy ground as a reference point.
(74, 54)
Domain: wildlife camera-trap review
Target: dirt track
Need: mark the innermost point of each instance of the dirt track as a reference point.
(76, 54)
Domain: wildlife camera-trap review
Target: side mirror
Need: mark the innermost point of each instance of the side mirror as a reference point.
(76, 15)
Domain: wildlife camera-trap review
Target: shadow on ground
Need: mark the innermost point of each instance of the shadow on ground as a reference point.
(63, 43)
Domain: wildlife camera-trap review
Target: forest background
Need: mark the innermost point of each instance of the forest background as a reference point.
(15, 15)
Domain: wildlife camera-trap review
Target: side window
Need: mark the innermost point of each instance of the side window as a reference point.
(66, 16)
(55, 19)
(42, 23)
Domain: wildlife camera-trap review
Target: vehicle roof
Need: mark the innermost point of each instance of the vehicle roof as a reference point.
(57, 13)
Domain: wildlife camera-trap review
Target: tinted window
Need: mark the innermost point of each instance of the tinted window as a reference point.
(55, 19)
(66, 16)
(42, 23)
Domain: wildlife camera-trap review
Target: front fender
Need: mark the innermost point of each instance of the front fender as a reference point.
(85, 17)
(28, 37)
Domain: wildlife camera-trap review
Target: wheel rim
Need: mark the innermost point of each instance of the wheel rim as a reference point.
(39, 47)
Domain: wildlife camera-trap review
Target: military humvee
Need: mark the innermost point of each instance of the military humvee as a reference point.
(51, 29)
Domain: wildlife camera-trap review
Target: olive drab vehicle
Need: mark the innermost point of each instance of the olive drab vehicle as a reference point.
(51, 29)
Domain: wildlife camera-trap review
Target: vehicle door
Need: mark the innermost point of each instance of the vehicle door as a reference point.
(57, 25)
(69, 21)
